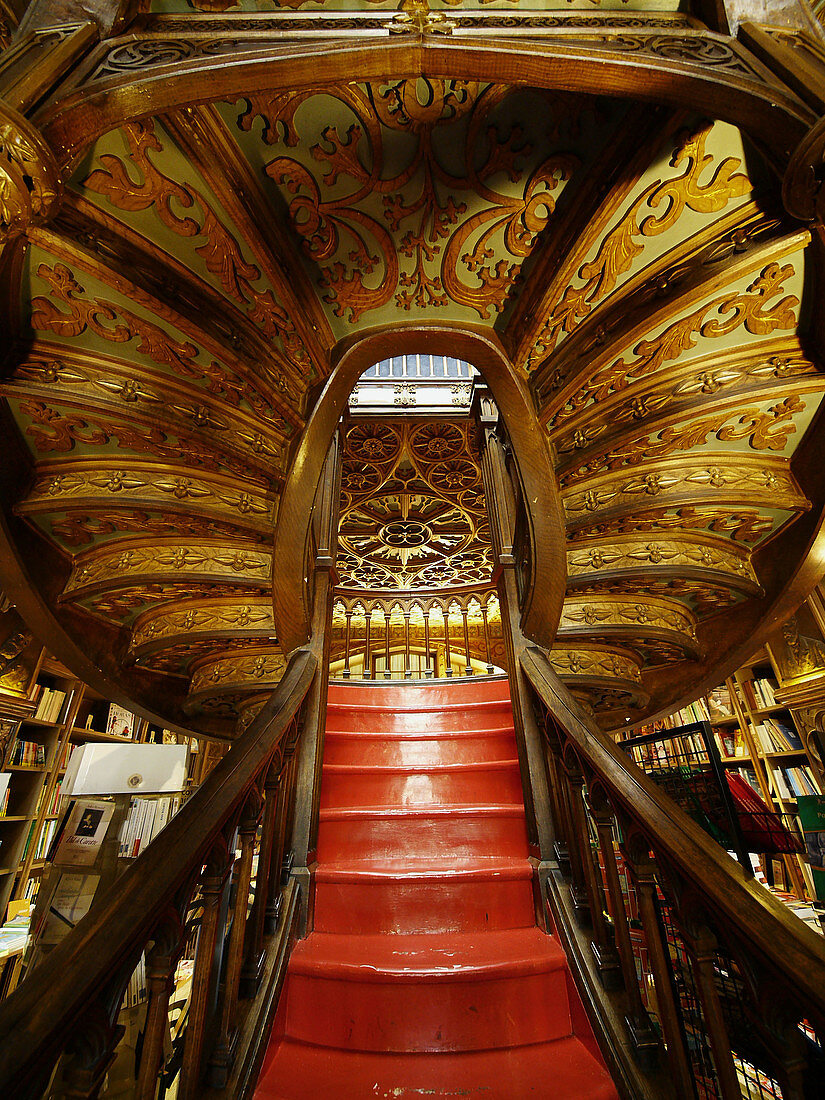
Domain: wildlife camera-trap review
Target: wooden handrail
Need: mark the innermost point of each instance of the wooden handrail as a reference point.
(761, 922)
(38, 1018)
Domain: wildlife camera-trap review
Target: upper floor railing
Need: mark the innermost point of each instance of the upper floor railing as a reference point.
(415, 636)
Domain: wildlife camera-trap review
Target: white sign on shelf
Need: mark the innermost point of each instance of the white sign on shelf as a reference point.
(125, 769)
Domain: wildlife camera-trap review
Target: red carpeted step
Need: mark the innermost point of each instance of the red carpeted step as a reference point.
(485, 895)
(429, 749)
(364, 785)
(422, 833)
(563, 1069)
(423, 992)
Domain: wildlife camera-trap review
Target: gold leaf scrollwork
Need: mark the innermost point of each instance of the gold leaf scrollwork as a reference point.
(720, 317)
(29, 178)
(668, 200)
(446, 223)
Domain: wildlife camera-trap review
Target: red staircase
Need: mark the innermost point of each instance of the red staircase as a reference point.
(425, 974)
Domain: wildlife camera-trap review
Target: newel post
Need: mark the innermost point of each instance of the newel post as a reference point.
(501, 501)
(324, 530)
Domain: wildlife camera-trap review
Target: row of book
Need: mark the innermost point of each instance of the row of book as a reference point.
(28, 754)
(4, 797)
(45, 839)
(790, 783)
(53, 806)
(136, 989)
(146, 818)
(52, 704)
(760, 692)
(776, 736)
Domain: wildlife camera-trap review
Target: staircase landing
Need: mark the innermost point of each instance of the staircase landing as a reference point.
(425, 974)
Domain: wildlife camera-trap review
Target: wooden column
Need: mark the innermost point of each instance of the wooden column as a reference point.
(387, 669)
(501, 510)
(407, 663)
(367, 655)
(160, 973)
(643, 876)
(253, 966)
(701, 944)
(427, 670)
(486, 639)
(602, 944)
(643, 1035)
(448, 671)
(212, 884)
(226, 1040)
(348, 617)
(468, 668)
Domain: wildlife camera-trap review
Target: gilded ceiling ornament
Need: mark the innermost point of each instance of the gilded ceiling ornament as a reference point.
(119, 325)
(719, 317)
(764, 429)
(417, 17)
(116, 566)
(656, 210)
(221, 253)
(53, 430)
(362, 255)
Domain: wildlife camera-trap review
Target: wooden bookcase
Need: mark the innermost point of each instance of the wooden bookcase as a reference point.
(783, 684)
(34, 788)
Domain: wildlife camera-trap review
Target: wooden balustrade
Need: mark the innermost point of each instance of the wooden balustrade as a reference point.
(383, 626)
(716, 972)
(64, 1014)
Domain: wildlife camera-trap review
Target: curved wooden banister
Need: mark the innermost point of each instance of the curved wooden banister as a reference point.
(759, 919)
(38, 1019)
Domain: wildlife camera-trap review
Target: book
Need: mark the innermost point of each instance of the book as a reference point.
(83, 833)
(120, 722)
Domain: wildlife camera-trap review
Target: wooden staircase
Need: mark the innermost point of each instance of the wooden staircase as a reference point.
(426, 973)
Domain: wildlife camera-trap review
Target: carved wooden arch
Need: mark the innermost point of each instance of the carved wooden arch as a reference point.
(543, 604)
(731, 85)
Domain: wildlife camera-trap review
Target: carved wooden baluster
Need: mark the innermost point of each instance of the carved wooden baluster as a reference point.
(554, 739)
(448, 671)
(161, 962)
(387, 669)
(282, 813)
(367, 655)
(407, 664)
(427, 669)
(602, 945)
(468, 668)
(643, 876)
(776, 1016)
(91, 1049)
(212, 887)
(348, 618)
(225, 1044)
(701, 946)
(643, 1035)
(486, 638)
(255, 954)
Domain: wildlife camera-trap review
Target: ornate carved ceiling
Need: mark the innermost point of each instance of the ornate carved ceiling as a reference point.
(180, 314)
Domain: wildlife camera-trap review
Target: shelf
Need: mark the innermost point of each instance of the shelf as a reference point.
(786, 754)
(40, 722)
(17, 817)
(22, 768)
(730, 720)
(735, 759)
(766, 712)
(79, 734)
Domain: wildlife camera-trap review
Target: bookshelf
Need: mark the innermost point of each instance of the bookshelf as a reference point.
(767, 721)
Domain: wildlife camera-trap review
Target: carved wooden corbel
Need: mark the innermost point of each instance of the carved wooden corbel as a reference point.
(803, 188)
(30, 184)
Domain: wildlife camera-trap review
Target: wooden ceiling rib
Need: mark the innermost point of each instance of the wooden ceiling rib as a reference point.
(210, 266)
